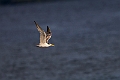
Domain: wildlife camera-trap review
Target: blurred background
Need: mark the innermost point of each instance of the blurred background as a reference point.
(3, 2)
(86, 35)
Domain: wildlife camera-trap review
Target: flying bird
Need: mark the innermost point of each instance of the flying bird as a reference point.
(44, 36)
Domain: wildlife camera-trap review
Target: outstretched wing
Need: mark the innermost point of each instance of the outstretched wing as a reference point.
(48, 34)
(42, 33)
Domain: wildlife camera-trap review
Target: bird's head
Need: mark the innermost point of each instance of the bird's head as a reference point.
(51, 44)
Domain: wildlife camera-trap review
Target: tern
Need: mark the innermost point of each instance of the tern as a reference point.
(44, 36)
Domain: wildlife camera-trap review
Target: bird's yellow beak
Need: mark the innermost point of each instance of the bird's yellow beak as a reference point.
(52, 45)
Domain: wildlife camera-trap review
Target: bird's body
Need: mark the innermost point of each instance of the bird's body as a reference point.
(43, 45)
(44, 36)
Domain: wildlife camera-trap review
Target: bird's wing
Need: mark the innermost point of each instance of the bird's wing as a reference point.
(42, 33)
(48, 34)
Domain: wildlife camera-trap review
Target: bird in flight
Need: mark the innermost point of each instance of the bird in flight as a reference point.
(44, 36)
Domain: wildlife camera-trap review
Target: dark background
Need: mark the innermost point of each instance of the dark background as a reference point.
(86, 35)
(6, 2)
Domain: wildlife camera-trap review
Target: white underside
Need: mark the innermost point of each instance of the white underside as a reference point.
(43, 45)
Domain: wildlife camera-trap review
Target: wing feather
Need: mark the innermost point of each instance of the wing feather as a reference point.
(48, 34)
(42, 33)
